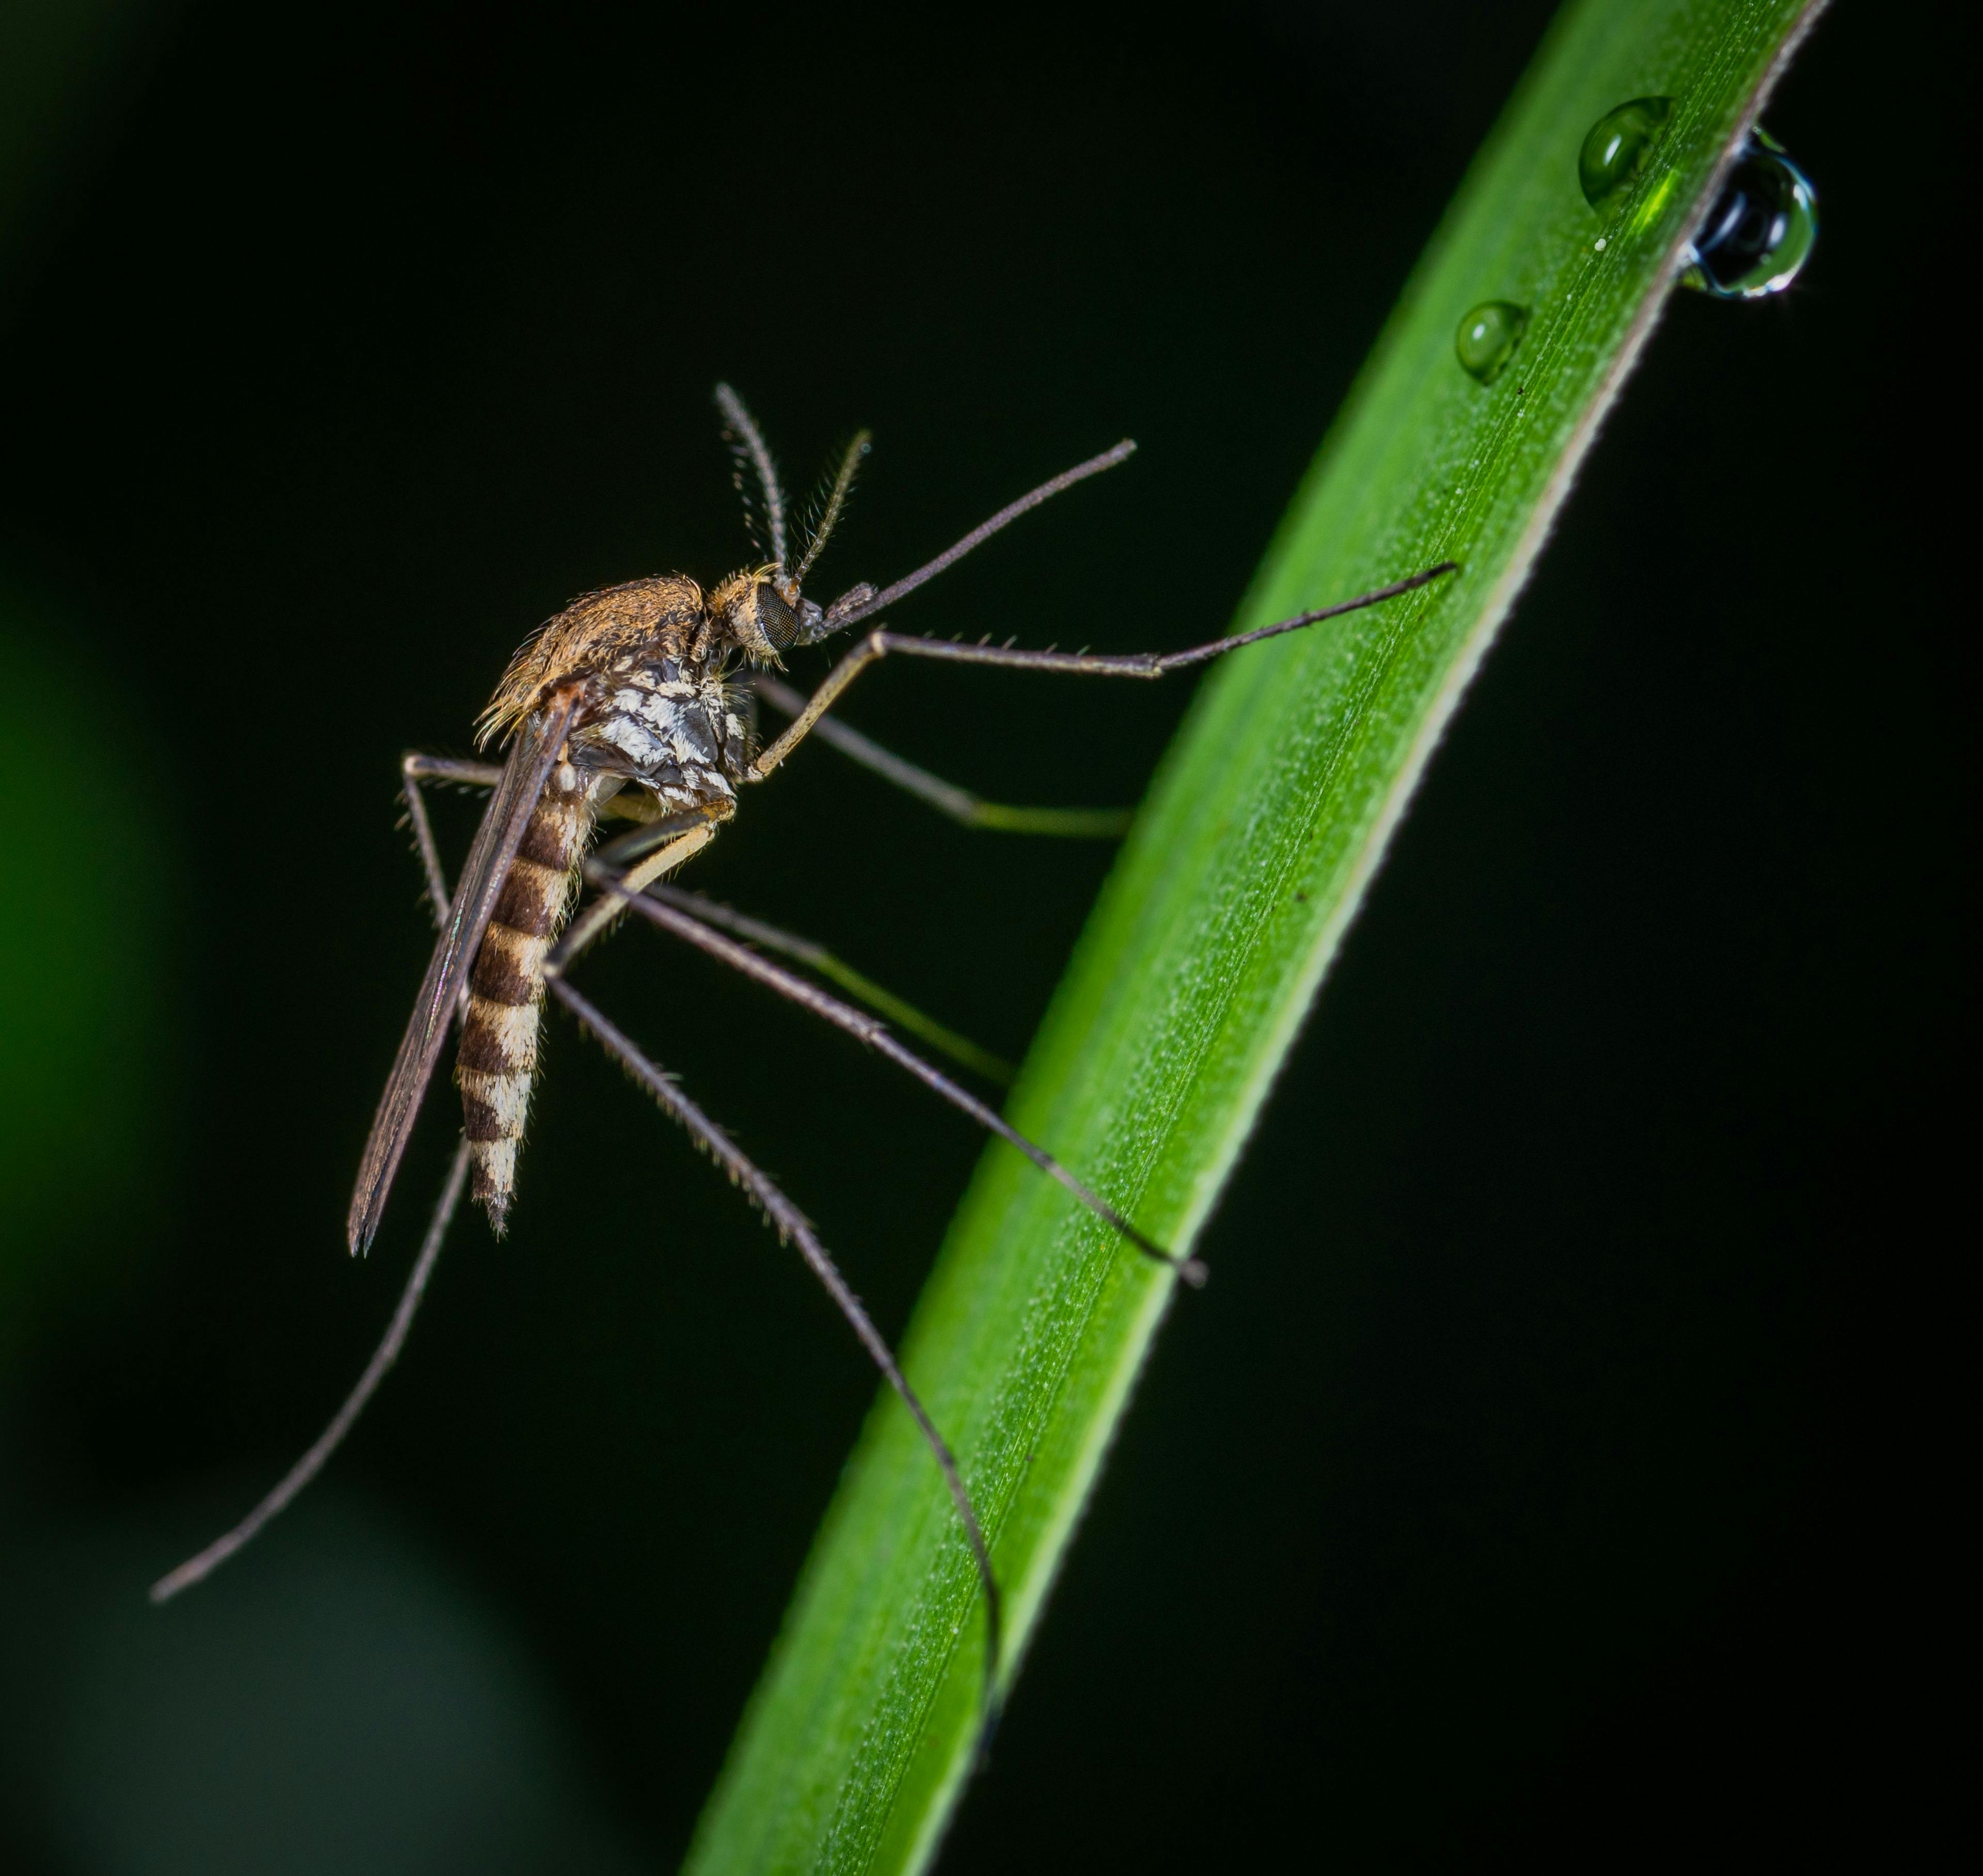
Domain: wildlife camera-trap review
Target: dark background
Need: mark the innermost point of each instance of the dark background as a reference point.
(1549, 1469)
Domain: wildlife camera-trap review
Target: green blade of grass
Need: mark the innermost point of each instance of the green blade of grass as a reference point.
(1271, 811)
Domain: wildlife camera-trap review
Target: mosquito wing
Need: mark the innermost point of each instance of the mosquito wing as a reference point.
(532, 757)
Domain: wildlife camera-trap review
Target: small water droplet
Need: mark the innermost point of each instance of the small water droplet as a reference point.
(1600, 245)
(1757, 238)
(1616, 146)
(1488, 336)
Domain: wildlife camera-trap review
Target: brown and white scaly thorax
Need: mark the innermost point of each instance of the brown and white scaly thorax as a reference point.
(671, 724)
(663, 714)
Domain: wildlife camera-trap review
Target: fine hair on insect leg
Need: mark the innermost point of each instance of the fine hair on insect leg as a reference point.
(793, 1227)
(867, 1029)
(415, 768)
(960, 804)
(960, 1049)
(878, 644)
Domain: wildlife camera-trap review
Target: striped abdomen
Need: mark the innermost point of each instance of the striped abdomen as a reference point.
(499, 1039)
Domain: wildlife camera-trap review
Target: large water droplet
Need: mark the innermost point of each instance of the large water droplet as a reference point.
(1760, 232)
(1617, 147)
(1488, 336)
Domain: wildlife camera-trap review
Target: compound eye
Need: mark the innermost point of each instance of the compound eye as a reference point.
(775, 619)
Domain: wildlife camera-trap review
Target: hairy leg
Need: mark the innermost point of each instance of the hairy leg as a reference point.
(905, 1016)
(195, 1568)
(878, 644)
(793, 1227)
(945, 796)
(867, 1030)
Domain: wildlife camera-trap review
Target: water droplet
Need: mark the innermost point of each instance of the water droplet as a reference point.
(1488, 336)
(1617, 147)
(1760, 232)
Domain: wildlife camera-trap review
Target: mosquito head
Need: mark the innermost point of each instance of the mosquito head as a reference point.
(761, 612)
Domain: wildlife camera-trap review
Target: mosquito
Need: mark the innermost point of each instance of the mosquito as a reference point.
(639, 702)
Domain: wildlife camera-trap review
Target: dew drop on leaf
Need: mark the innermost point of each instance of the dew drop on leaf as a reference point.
(1757, 238)
(1488, 336)
(1616, 147)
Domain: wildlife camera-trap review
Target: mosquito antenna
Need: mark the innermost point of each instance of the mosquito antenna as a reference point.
(195, 1568)
(747, 446)
(830, 516)
(862, 602)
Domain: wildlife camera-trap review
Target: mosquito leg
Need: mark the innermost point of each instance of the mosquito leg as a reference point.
(305, 1468)
(866, 1029)
(792, 1226)
(879, 644)
(413, 768)
(650, 836)
(850, 667)
(905, 1015)
(450, 768)
(601, 913)
(946, 797)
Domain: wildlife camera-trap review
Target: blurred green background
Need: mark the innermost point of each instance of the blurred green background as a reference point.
(1540, 1474)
